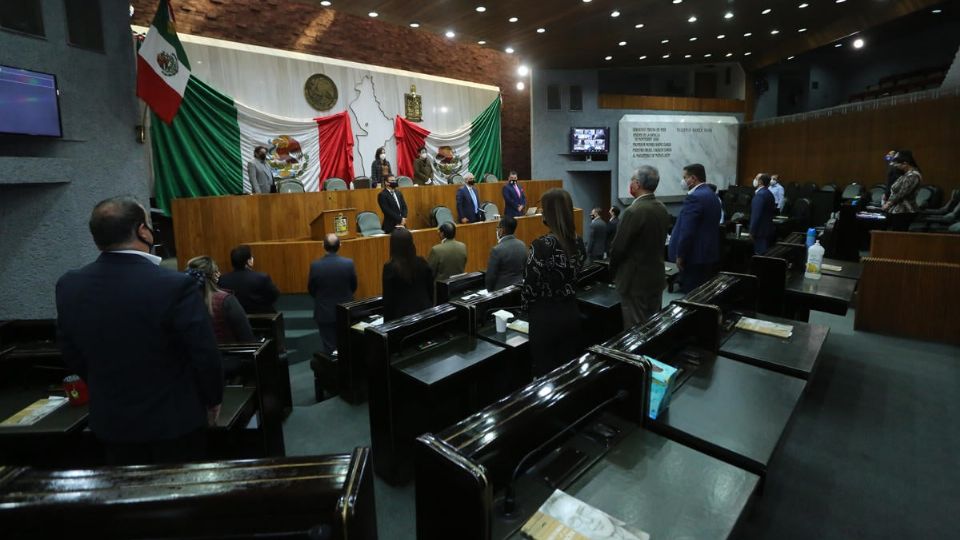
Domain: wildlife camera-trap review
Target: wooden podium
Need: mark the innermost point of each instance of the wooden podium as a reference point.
(341, 222)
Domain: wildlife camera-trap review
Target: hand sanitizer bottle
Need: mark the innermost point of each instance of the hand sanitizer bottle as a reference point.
(814, 261)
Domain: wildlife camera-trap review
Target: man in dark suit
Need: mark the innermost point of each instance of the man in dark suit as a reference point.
(507, 258)
(695, 240)
(142, 339)
(597, 241)
(333, 280)
(612, 226)
(255, 290)
(514, 198)
(449, 257)
(762, 209)
(392, 205)
(468, 201)
(636, 255)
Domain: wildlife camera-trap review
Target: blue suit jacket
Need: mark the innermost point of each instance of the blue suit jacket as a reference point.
(762, 210)
(141, 337)
(511, 201)
(696, 235)
(465, 204)
(332, 281)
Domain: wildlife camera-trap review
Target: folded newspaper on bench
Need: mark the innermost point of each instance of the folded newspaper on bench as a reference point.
(520, 326)
(36, 411)
(768, 328)
(563, 517)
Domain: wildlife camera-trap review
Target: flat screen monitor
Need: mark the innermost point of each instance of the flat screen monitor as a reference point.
(589, 140)
(28, 103)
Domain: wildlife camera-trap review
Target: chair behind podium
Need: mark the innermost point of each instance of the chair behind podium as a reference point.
(334, 184)
(289, 186)
(368, 224)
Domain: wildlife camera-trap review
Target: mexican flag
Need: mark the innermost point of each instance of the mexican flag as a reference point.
(202, 140)
(473, 148)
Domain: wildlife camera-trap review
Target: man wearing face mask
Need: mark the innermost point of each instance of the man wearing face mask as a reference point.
(392, 205)
(142, 339)
(695, 240)
(507, 258)
(777, 190)
(259, 171)
(762, 210)
(422, 169)
(597, 244)
(514, 198)
(380, 169)
(468, 201)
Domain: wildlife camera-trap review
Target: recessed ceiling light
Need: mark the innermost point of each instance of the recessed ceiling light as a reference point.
(586, 1)
(520, 85)
(858, 43)
(748, 53)
(373, 14)
(708, 55)
(677, 1)
(686, 56)
(774, 32)
(838, 45)
(614, 13)
(541, 30)
(450, 34)
(325, 3)
(748, 34)
(721, 36)
(622, 43)
(481, 9)
(790, 58)
(728, 15)
(693, 39)
(644, 57)
(523, 71)
(729, 54)
(766, 11)
(841, 1)
(802, 30)
(692, 19)
(513, 19)
(414, 25)
(509, 50)
(482, 42)
(937, 11)
(664, 41)
(666, 55)
(608, 58)
(801, 6)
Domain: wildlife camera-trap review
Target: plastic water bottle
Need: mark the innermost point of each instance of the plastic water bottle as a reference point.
(811, 236)
(814, 261)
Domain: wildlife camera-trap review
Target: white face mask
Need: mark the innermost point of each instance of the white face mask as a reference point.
(683, 185)
(774, 182)
(756, 183)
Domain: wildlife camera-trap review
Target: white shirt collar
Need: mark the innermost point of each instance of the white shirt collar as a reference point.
(148, 256)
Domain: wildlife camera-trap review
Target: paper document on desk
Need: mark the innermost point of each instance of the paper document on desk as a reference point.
(520, 326)
(563, 517)
(768, 328)
(363, 324)
(36, 411)
(831, 267)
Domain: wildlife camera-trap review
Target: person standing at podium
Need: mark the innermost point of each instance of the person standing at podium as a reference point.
(392, 205)
(259, 171)
(550, 286)
(468, 201)
(514, 198)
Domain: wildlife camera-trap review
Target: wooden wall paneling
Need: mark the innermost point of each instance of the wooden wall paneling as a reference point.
(926, 247)
(667, 103)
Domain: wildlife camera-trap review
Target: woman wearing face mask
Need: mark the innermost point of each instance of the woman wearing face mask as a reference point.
(230, 323)
(422, 168)
(381, 168)
(901, 205)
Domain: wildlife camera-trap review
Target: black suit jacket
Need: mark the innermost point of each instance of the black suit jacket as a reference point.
(255, 290)
(141, 337)
(333, 280)
(402, 297)
(391, 214)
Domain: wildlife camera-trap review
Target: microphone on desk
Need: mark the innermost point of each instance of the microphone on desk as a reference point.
(509, 497)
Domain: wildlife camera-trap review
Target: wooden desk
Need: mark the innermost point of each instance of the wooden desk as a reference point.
(848, 269)
(830, 294)
(796, 356)
(64, 420)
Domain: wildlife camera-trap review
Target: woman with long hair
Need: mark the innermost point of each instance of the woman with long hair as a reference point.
(407, 279)
(230, 323)
(901, 205)
(549, 285)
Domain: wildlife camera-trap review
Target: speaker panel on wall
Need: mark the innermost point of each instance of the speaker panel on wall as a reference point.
(576, 98)
(553, 97)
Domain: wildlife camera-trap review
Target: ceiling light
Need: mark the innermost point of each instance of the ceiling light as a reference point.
(728, 15)
(523, 71)
(513, 19)
(858, 43)
(729, 54)
(666, 55)
(614, 14)
(801, 6)
(482, 42)
(693, 39)
(766, 11)
(639, 25)
(708, 55)
(721, 36)
(325, 3)
(677, 1)
(481, 9)
(937, 11)
(520, 85)
(450, 34)
(748, 34)
(790, 58)
(644, 57)
(686, 56)
(774, 32)
(586, 1)
(841, 1)
(541, 30)
(414, 25)
(509, 50)
(373, 14)
(664, 41)
(692, 19)
(748, 53)
(838, 45)
(802, 30)
(622, 43)
(608, 58)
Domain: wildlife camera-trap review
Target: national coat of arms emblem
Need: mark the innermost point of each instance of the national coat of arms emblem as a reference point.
(169, 65)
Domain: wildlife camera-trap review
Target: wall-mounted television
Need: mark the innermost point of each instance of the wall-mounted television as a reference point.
(589, 140)
(29, 104)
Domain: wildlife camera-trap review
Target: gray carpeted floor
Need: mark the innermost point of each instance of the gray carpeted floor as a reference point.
(872, 451)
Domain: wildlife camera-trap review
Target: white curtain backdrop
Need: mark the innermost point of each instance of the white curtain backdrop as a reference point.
(257, 128)
(271, 80)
